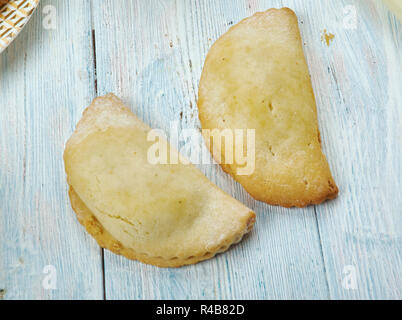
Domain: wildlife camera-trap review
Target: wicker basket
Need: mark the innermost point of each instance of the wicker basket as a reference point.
(14, 15)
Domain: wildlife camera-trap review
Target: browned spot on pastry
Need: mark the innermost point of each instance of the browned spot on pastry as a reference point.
(93, 226)
(270, 106)
(332, 186)
(117, 246)
(270, 150)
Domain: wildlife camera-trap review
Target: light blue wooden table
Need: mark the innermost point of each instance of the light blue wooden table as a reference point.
(151, 54)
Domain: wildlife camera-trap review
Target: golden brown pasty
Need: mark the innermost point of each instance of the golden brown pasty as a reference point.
(167, 215)
(256, 77)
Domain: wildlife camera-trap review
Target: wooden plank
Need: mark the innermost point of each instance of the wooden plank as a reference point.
(46, 79)
(358, 82)
(151, 54)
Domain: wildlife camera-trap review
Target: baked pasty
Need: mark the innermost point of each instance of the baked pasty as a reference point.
(256, 77)
(167, 215)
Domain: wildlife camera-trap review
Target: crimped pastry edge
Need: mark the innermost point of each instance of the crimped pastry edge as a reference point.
(107, 241)
(329, 194)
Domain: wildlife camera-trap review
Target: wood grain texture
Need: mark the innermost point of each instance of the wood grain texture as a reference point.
(361, 127)
(46, 79)
(151, 54)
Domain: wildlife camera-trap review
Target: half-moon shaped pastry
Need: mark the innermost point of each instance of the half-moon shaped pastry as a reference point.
(256, 77)
(167, 215)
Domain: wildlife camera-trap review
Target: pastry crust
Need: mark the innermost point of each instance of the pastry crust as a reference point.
(107, 241)
(164, 215)
(256, 77)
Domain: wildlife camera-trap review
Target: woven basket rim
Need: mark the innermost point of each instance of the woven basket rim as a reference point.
(14, 16)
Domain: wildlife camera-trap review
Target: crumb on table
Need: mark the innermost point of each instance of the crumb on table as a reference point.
(327, 37)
